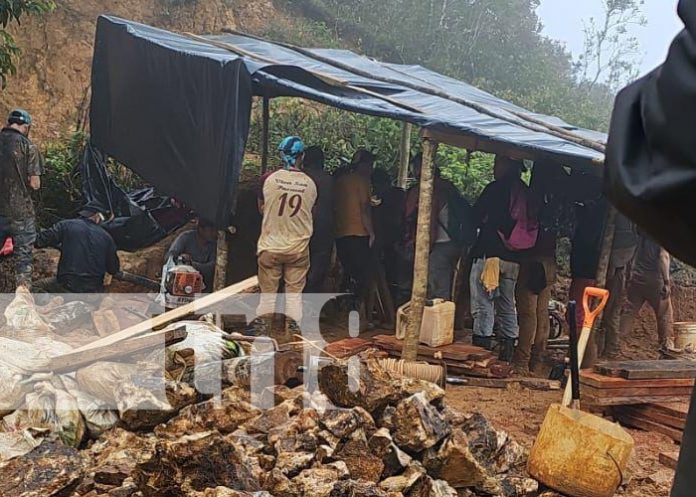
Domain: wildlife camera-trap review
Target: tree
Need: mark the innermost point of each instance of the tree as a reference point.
(11, 12)
(611, 55)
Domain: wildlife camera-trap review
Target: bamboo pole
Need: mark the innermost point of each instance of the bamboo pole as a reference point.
(265, 134)
(520, 119)
(221, 262)
(404, 153)
(420, 265)
(601, 282)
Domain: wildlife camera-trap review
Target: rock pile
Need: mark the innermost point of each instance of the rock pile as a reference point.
(383, 437)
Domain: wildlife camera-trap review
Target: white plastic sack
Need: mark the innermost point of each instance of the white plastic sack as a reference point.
(21, 314)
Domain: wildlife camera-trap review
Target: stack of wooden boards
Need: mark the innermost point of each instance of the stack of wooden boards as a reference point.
(461, 359)
(648, 395)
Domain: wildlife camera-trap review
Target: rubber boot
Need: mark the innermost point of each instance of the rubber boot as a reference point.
(484, 342)
(507, 349)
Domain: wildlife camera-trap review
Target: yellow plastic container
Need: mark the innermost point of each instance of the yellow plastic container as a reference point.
(579, 454)
(437, 327)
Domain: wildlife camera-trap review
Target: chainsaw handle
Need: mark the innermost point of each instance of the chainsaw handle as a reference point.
(592, 314)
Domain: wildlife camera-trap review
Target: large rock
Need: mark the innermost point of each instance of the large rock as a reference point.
(492, 448)
(272, 418)
(49, 469)
(395, 460)
(343, 422)
(361, 463)
(317, 482)
(402, 483)
(418, 425)
(454, 462)
(428, 487)
(194, 463)
(353, 488)
(228, 492)
(292, 463)
(513, 486)
(139, 409)
(225, 417)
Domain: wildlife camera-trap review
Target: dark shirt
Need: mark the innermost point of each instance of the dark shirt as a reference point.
(647, 263)
(323, 212)
(492, 212)
(19, 159)
(203, 256)
(587, 240)
(87, 253)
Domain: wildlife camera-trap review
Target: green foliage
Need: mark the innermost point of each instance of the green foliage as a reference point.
(470, 173)
(305, 33)
(60, 195)
(12, 11)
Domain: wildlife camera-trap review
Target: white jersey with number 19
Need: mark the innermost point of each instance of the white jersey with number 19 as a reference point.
(288, 199)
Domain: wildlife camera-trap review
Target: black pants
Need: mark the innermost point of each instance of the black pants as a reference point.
(320, 248)
(354, 254)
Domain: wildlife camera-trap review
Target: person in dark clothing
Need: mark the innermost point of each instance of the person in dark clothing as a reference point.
(651, 173)
(87, 254)
(21, 167)
(198, 248)
(495, 267)
(322, 241)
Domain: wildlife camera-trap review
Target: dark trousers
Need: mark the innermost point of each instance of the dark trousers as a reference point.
(354, 254)
(23, 233)
(320, 249)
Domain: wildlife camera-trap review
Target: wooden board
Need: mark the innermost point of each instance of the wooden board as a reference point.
(646, 425)
(669, 459)
(647, 411)
(638, 392)
(502, 383)
(76, 360)
(648, 370)
(599, 381)
(347, 347)
(169, 317)
(678, 410)
(455, 352)
(599, 402)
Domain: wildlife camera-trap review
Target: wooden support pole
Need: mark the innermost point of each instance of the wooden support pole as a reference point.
(221, 262)
(265, 134)
(601, 282)
(404, 154)
(420, 266)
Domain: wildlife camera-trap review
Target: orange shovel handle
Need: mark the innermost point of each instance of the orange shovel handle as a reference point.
(592, 314)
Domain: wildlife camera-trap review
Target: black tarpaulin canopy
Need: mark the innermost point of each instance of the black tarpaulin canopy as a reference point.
(175, 108)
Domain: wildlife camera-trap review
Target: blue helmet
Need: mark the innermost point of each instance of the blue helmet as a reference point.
(290, 149)
(19, 116)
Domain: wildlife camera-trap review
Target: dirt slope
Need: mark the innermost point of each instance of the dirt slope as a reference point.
(54, 72)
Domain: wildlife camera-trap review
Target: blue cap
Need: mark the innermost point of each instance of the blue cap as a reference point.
(19, 116)
(290, 149)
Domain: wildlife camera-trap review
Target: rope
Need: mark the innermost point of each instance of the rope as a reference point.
(417, 370)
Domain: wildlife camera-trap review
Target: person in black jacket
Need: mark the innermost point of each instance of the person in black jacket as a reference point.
(651, 173)
(87, 254)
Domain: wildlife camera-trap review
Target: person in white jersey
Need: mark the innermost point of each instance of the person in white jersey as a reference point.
(286, 199)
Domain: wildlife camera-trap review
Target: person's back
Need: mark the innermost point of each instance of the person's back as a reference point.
(322, 241)
(288, 199)
(18, 161)
(351, 191)
(647, 261)
(88, 253)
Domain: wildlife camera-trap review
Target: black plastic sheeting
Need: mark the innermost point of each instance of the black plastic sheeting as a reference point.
(176, 114)
(140, 218)
(176, 109)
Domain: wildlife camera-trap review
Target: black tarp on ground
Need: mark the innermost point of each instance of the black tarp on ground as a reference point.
(178, 116)
(176, 109)
(140, 218)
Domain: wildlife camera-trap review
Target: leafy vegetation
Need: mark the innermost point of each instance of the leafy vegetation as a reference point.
(12, 11)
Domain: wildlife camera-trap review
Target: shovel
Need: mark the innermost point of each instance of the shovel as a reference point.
(576, 453)
(590, 316)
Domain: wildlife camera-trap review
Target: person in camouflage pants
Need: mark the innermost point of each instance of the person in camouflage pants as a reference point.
(21, 167)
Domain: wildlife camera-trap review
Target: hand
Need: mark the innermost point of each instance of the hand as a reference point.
(186, 259)
(35, 182)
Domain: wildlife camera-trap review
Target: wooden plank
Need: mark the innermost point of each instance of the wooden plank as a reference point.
(646, 425)
(649, 370)
(347, 347)
(76, 360)
(195, 307)
(502, 383)
(669, 459)
(596, 380)
(637, 391)
(678, 410)
(646, 411)
(455, 351)
(626, 401)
